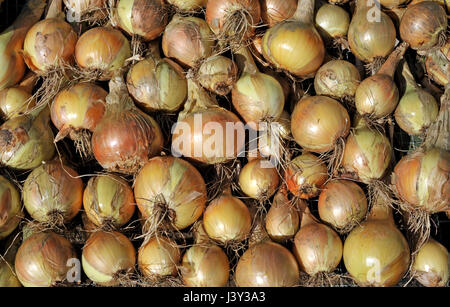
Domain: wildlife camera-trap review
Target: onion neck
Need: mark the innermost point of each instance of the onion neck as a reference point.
(54, 9)
(305, 11)
(198, 99)
(363, 5)
(245, 62)
(411, 84)
(200, 235)
(118, 94)
(154, 51)
(307, 218)
(389, 67)
(259, 233)
(28, 82)
(380, 211)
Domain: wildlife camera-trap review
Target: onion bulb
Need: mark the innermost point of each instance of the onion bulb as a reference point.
(267, 264)
(431, 265)
(106, 256)
(306, 175)
(282, 42)
(275, 11)
(227, 219)
(423, 25)
(342, 204)
(417, 109)
(188, 5)
(437, 64)
(27, 140)
(16, 101)
(108, 200)
(375, 252)
(53, 191)
(10, 208)
(170, 190)
(42, 260)
(158, 257)
(370, 38)
(188, 40)
(259, 179)
(338, 79)
(102, 51)
(332, 21)
(206, 132)
(318, 122)
(125, 138)
(218, 74)
(8, 277)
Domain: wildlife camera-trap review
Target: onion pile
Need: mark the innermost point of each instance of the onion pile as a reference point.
(10, 207)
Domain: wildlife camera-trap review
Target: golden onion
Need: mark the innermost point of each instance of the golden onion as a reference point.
(275, 11)
(431, 265)
(159, 257)
(259, 179)
(218, 74)
(332, 21)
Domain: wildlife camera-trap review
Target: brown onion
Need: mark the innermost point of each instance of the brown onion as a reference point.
(158, 257)
(10, 207)
(259, 179)
(42, 260)
(332, 21)
(218, 74)
(275, 11)
(431, 265)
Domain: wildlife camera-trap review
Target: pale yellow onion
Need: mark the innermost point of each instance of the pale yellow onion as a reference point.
(8, 278)
(188, 5)
(259, 179)
(159, 256)
(332, 21)
(431, 265)
(218, 74)
(10, 207)
(14, 102)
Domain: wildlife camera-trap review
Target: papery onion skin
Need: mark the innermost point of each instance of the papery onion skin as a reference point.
(53, 188)
(157, 85)
(10, 207)
(188, 40)
(259, 179)
(318, 122)
(159, 257)
(205, 266)
(306, 175)
(49, 44)
(423, 24)
(267, 264)
(218, 74)
(274, 11)
(188, 5)
(14, 102)
(332, 21)
(83, 7)
(431, 265)
(422, 179)
(437, 64)
(108, 199)
(107, 254)
(174, 183)
(102, 49)
(338, 79)
(41, 260)
(342, 204)
(145, 18)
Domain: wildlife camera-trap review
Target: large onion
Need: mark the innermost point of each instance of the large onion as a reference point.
(158, 257)
(259, 179)
(10, 207)
(275, 11)
(218, 74)
(431, 265)
(42, 260)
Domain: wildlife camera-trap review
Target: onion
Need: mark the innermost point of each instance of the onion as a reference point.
(274, 11)
(145, 18)
(318, 122)
(437, 64)
(227, 219)
(270, 140)
(106, 256)
(367, 155)
(41, 260)
(342, 204)
(126, 138)
(102, 51)
(306, 175)
(282, 42)
(317, 247)
(257, 97)
(159, 257)
(10, 208)
(16, 101)
(218, 74)
(370, 38)
(267, 264)
(157, 84)
(8, 278)
(417, 109)
(108, 200)
(206, 132)
(12, 65)
(376, 253)
(332, 21)
(259, 179)
(170, 190)
(27, 140)
(431, 265)
(338, 79)
(188, 40)
(392, 3)
(188, 5)
(423, 25)
(52, 192)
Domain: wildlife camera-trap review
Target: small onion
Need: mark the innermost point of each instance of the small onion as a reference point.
(332, 21)
(42, 260)
(259, 179)
(188, 40)
(338, 79)
(306, 175)
(342, 204)
(10, 208)
(188, 5)
(318, 122)
(107, 255)
(423, 25)
(275, 11)
(218, 74)
(159, 257)
(227, 219)
(51, 190)
(267, 264)
(108, 199)
(102, 50)
(16, 101)
(431, 265)
(8, 278)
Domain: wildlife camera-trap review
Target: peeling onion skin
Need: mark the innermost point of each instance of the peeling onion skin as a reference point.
(392, 3)
(259, 179)
(431, 265)
(41, 260)
(159, 257)
(10, 207)
(437, 64)
(275, 11)
(218, 74)
(267, 264)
